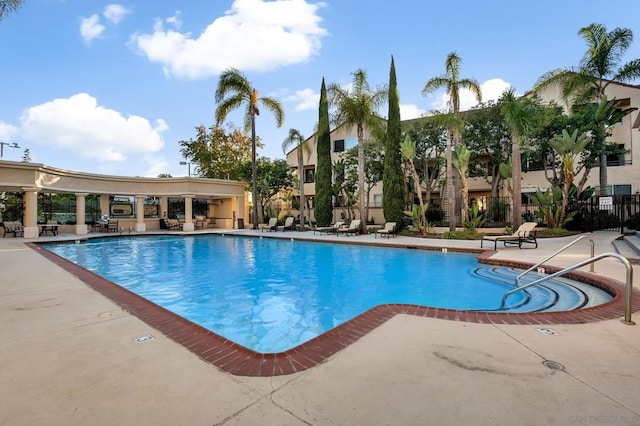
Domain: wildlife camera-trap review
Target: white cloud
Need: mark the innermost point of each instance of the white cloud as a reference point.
(304, 99)
(115, 13)
(254, 35)
(409, 111)
(491, 91)
(79, 125)
(158, 166)
(175, 20)
(7, 131)
(91, 28)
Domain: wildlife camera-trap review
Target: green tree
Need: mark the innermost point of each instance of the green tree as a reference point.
(520, 115)
(452, 83)
(599, 67)
(8, 6)
(165, 175)
(392, 186)
(296, 140)
(218, 154)
(357, 107)
(461, 157)
(373, 165)
(233, 91)
(26, 156)
(273, 177)
(323, 200)
(408, 150)
(568, 147)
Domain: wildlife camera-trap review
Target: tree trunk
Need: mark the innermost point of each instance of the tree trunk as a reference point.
(451, 207)
(301, 177)
(516, 173)
(254, 172)
(603, 173)
(361, 188)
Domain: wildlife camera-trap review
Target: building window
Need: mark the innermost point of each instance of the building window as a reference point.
(309, 175)
(377, 200)
(338, 146)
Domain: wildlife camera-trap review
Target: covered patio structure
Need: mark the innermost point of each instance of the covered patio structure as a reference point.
(226, 199)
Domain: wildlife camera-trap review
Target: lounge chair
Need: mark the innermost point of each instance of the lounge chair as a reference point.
(353, 228)
(288, 224)
(172, 224)
(271, 226)
(333, 229)
(388, 230)
(524, 234)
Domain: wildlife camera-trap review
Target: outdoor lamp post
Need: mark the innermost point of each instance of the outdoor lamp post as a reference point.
(9, 144)
(185, 163)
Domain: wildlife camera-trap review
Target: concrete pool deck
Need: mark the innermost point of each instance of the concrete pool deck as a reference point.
(69, 356)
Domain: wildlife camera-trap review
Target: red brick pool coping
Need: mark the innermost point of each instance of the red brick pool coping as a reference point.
(238, 360)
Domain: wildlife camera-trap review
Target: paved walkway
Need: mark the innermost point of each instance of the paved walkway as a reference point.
(69, 357)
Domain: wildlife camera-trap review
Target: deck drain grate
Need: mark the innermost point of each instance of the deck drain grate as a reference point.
(553, 365)
(145, 338)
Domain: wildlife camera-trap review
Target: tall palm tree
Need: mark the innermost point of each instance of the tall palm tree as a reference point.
(7, 6)
(520, 115)
(295, 139)
(452, 83)
(356, 106)
(233, 91)
(600, 66)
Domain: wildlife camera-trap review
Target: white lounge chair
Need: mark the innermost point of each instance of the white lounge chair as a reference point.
(353, 228)
(524, 234)
(388, 230)
(333, 229)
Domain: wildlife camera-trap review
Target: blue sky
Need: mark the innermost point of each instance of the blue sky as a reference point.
(111, 87)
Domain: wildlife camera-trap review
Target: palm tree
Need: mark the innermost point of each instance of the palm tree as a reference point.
(356, 107)
(568, 147)
(452, 83)
(296, 140)
(408, 152)
(600, 66)
(7, 6)
(520, 115)
(460, 160)
(233, 83)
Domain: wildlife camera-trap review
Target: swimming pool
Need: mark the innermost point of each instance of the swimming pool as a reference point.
(271, 295)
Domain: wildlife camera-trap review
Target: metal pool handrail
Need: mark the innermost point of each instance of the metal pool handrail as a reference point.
(628, 287)
(582, 237)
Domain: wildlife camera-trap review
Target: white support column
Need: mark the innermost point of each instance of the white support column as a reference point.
(104, 205)
(188, 224)
(164, 206)
(81, 227)
(140, 225)
(31, 229)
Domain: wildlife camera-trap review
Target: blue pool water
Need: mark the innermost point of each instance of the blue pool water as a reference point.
(271, 295)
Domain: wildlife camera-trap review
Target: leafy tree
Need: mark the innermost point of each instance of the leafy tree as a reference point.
(408, 150)
(273, 177)
(392, 187)
(485, 134)
(217, 153)
(323, 203)
(296, 140)
(520, 115)
(460, 160)
(8, 6)
(233, 91)
(568, 147)
(373, 165)
(357, 107)
(452, 83)
(430, 137)
(165, 175)
(600, 66)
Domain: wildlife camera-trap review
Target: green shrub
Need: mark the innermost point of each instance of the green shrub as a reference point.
(461, 235)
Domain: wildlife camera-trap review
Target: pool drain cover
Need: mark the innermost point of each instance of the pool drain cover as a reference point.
(553, 365)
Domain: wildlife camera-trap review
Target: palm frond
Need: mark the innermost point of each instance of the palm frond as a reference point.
(275, 108)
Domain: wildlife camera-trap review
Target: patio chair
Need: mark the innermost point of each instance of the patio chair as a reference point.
(271, 226)
(14, 228)
(333, 229)
(288, 224)
(353, 228)
(112, 225)
(524, 234)
(388, 230)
